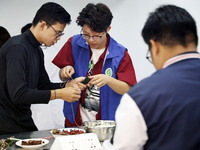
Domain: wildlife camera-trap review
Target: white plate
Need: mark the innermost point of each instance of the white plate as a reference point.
(66, 129)
(18, 143)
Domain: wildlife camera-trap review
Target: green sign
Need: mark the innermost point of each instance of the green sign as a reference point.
(109, 72)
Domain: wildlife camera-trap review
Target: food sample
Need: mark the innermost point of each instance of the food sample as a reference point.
(32, 142)
(64, 132)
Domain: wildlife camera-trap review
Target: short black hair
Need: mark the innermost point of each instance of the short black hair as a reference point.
(52, 13)
(4, 35)
(98, 17)
(170, 25)
(26, 27)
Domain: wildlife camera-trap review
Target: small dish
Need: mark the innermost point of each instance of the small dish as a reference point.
(44, 142)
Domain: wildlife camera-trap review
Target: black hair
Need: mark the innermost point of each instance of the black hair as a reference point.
(4, 36)
(98, 17)
(26, 27)
(52, 13)
(170, 25)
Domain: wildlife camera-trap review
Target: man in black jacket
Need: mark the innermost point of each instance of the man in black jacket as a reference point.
(24, 80)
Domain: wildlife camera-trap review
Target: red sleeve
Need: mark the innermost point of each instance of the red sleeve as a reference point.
(126, 71)
(64, 56)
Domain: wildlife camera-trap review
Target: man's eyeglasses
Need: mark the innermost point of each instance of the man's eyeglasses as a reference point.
(94, 37)
(148, 56)
(58, 33)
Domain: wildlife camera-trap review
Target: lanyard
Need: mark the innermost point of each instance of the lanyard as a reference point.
(90, 68)
(179, 58)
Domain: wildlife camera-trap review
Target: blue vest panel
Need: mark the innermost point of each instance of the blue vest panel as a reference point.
(81, 56)
(170, 103)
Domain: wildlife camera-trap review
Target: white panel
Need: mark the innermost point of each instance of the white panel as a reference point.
(88, 141)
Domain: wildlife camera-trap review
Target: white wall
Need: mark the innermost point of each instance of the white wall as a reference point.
(129, 18)
(128, 21)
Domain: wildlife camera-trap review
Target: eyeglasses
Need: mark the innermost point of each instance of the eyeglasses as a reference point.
(58, 34)
(94, 37)
(148, 56)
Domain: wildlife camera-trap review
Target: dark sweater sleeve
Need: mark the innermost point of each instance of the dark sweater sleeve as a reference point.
(22, 88)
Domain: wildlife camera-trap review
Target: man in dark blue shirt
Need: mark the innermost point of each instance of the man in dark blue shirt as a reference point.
(24, 80)
(162, 111)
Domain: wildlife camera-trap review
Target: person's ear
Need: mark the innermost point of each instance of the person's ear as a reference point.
(108, 29)
(155, 47)
(43, 25)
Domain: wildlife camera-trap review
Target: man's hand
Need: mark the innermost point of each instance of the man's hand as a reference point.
(71, 94)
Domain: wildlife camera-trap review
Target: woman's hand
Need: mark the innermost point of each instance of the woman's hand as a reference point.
(116, 85)
(99, 80)
(66, 73)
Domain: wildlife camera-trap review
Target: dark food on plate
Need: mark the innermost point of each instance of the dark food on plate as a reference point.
(72, 132)
(32, 142)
